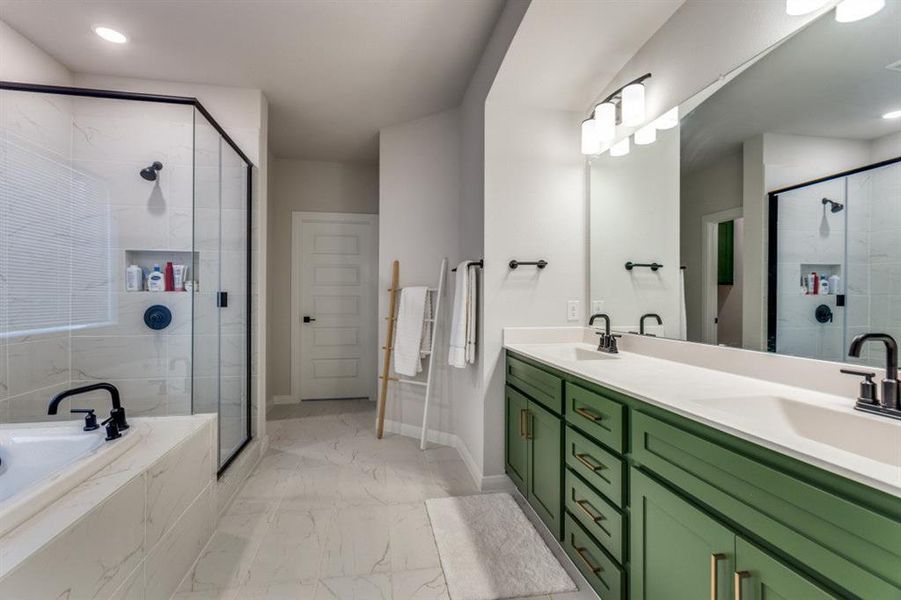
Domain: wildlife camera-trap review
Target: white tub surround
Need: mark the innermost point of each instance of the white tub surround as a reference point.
(133, 527)
(821, 429)
(41, 462)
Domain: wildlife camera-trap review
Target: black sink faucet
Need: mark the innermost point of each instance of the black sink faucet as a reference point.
(648, 316)
(606, 318)
(890, 404)
(117, 414)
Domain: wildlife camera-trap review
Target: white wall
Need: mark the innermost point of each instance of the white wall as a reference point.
(314, 186)
(22, 61)
(634, 204)
(419, 209)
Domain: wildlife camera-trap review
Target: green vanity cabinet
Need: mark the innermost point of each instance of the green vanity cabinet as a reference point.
(652, 505)
(678, 551)
(533, 456)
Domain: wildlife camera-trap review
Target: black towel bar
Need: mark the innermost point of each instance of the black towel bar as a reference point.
(538, 263)
(652, 266)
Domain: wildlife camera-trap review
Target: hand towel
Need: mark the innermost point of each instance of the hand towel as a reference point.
(428, 317)
(408, 331)
(463, 322)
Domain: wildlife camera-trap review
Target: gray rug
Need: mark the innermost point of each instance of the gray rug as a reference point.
(490, 550)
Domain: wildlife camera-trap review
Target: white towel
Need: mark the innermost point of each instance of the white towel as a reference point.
(463, 325)
(426, 346)
(408, 331)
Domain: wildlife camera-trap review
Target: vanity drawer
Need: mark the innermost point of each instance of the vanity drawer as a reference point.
(595, 414)
(856, 547)
(604, 576)
(599, 467)
(595, 514)
(543, 387)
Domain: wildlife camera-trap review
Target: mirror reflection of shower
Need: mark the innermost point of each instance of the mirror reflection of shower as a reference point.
(836, 206)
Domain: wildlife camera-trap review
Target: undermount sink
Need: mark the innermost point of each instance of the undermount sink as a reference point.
(577, 353)
(851, 431)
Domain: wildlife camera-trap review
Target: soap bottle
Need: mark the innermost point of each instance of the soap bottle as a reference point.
(824, 285)
(835, 284)
(814, 283)
(134, 279)
(156, 281)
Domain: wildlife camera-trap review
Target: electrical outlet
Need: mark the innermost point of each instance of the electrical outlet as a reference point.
(597, 306)
(572, 310)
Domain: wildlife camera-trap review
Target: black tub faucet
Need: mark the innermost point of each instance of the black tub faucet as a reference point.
(117, 414)
(890, 403)
(648, 316)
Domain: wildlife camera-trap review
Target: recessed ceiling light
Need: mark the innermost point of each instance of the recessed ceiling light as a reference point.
(848, 11)
(894, 114)
(110, 35)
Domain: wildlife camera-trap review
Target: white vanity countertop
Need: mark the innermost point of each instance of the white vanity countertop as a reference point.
(818, 428)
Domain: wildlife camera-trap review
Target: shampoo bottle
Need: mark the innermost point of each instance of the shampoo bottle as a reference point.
(155, 280)
(134, 279)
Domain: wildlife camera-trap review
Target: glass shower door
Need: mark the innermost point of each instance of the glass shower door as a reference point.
(220, 295)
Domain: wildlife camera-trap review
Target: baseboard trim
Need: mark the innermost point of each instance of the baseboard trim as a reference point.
(284, 399)
(490, 483)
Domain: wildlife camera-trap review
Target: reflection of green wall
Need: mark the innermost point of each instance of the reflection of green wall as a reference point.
(726, 253)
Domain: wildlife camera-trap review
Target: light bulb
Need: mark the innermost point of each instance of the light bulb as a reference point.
(802, 7)
(590, 142)
(894, 114)
(855, 10)
(646, 135)
(605, 121)
(668, 120)
(633, 105)
(620, 148)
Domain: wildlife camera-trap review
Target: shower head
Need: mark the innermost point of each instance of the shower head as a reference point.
(836, 206)
(149, 173)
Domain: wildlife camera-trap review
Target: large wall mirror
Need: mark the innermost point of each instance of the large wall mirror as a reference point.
(774, 206)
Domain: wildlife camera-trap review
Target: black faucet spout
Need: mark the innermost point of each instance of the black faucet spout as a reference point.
(648, 316)
(606, 318)
(891, 350)
(117, 413)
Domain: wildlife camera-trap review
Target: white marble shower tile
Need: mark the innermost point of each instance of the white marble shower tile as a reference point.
(37, 364)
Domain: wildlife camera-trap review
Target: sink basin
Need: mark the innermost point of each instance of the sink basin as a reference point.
(575, 353)
(875, 438)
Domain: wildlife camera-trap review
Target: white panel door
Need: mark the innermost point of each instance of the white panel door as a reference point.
(337, 305)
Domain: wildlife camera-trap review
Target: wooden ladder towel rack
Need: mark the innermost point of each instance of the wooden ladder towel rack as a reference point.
(388, 348)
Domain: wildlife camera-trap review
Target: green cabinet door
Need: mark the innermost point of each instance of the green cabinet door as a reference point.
(516, 446)
(545, 480)
(678, 552)
(762, 577)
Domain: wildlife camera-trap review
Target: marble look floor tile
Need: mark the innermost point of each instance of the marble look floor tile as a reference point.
(359, 542)
(365, 587)
(293, 590)
(226, 560)
(292, 548)
(412, 544)
(420, 584)
(226, 594)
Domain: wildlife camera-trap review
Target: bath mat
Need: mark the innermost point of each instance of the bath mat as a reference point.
(489, 550)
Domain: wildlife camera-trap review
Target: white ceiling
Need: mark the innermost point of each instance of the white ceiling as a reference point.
(334, 71)
(829, 80)
(567, 51)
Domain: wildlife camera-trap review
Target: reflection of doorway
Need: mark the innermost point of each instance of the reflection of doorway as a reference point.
(722, 277)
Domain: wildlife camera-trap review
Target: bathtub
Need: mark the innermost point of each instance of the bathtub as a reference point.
(40, 462)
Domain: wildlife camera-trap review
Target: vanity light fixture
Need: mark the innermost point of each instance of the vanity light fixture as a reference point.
(646, 135)
(632, 105)
(605, 121)
(591, 144)
(620, 148)
(893, 114)
(110, 35)
(797, 8)
(667, 120)
(848, 11)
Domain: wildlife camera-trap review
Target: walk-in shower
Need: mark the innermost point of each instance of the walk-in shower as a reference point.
(835, 263)
(106, 277)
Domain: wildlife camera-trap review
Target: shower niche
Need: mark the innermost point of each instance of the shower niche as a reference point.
(92, 182)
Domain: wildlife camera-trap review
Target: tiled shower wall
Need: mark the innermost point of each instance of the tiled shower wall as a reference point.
(105, 141)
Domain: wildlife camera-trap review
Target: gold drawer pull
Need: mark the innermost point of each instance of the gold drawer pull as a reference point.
(740, 576)
(714, 575)
(583, 458)
(585, 413)
(522, 415)
(583, 504)
(582, 554)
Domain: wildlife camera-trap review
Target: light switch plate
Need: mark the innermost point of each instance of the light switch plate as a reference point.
(597, 306)
(572, 310)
